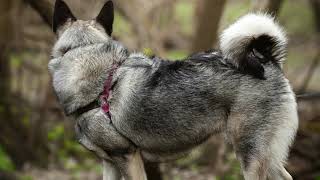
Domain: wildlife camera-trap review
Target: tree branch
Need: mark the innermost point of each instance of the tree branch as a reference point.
(308, 96)
(310, 72)
(44, 9)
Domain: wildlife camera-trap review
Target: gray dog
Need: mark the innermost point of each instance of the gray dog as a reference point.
(129, 106)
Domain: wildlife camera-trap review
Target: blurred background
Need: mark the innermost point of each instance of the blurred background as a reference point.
(37, 140)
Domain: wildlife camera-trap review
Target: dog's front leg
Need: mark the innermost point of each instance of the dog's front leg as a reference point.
(136, 167)
(131, 166)
(110, 171)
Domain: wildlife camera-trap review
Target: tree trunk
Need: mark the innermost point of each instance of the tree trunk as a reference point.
(269, 6)
(5, 38)
(44, 9)
(208, 15)
(315, 5)
(13, 133)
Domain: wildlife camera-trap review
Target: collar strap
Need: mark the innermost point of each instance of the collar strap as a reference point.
(93, 105)
(102, 101)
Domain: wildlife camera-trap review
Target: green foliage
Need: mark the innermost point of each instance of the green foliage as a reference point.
(15, 61)
(230, 177)
(26, 120)
(5, 161)
(56, 133)
(66, 150)
(25, 177)
(234, 173)
(73, 147)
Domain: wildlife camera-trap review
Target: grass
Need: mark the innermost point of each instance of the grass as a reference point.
(176, 54)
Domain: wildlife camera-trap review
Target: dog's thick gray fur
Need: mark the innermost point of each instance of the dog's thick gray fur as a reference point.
(166, 108)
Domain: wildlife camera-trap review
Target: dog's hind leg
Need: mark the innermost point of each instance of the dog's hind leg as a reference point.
(262, 137)
(262, 151)
(282, 138)
(253, 160)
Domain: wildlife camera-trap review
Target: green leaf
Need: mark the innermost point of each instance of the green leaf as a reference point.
(148, 52)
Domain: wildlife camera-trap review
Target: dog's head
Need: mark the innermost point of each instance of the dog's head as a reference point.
(82, 56)
(73, 33)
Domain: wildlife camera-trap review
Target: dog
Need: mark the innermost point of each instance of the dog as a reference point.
(129, 107)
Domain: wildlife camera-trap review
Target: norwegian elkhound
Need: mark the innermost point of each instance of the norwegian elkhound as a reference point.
(127, 104)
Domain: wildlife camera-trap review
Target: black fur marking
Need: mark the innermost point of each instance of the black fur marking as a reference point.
(93, 105)
(260, 51)
(210, 54)
(253, 66)
(166, 67)
(265, 45)
(106, 17)
(61, 15)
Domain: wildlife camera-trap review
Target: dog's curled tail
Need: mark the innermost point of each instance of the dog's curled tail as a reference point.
(253, 40)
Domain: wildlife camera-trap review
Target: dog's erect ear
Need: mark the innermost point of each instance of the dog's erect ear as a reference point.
(61, 15)
(106, 17)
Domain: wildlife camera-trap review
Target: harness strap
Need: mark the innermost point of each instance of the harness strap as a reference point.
(102, 101)
(105, 106)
